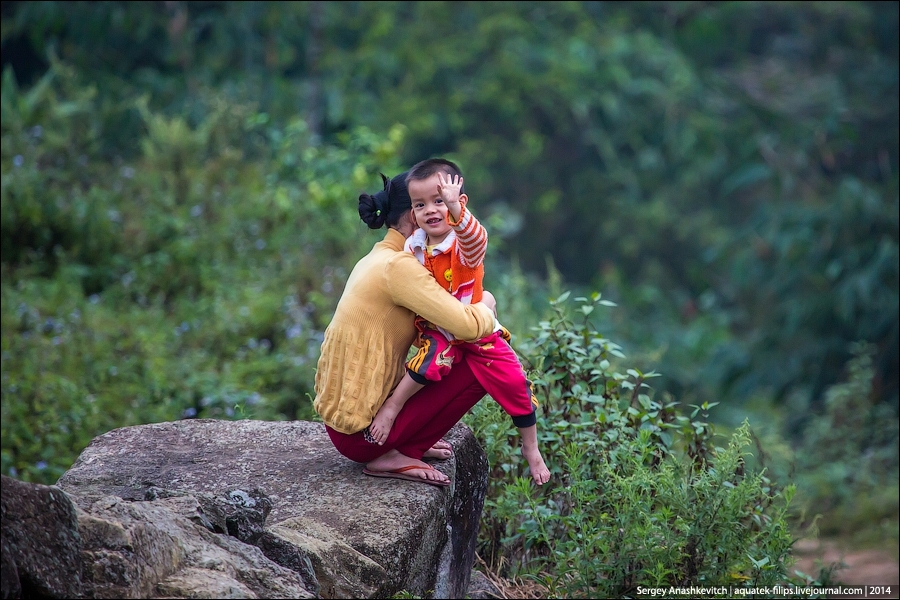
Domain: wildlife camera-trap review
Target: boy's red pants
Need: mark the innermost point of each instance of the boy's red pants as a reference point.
(492, 360)
(425, 418)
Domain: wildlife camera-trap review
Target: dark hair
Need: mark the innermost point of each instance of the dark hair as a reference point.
(387, 206)
(430, 166)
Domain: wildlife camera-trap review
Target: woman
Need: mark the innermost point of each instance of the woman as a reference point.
(366, 344)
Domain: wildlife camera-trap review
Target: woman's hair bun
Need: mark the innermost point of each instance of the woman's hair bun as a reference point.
(371, 211)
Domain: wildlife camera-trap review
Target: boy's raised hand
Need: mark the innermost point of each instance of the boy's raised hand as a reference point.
(449, 190)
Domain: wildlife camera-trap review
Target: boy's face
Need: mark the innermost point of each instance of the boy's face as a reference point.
(428, 208)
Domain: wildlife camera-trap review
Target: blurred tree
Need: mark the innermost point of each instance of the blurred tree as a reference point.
(729, 159)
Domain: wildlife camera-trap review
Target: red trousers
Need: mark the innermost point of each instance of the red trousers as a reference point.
(492, 360)
(425, 418)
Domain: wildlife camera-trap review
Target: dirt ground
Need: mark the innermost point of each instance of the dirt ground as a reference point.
(864, 567)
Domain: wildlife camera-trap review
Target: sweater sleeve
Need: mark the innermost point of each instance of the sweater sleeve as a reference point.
(471, 238)
(412, 286)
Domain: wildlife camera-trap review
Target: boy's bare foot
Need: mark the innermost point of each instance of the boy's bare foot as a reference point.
(394, 459)
(441, 450)
(539, 471)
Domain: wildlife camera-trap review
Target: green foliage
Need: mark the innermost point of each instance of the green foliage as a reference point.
(193, 279)
(405, 595)
(847, 459)
(178, 215)
(49, 206)
(810, 279)
(727, 170)
(639, 494)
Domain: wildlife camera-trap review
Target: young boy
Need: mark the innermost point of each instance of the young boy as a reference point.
(451, 243)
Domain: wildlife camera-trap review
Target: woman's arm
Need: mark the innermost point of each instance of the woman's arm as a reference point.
(412, 286)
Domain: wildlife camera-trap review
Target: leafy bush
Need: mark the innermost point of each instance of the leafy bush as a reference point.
(639, 495)
(50, 134)
(188, 274)
(847, 461)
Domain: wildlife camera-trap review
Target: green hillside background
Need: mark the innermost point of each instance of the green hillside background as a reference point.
(179, 185)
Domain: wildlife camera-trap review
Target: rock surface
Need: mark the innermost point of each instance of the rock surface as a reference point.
(482, 588)
(41, 542)
(157, 549)
(280, 490)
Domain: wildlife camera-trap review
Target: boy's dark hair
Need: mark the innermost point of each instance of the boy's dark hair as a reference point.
(387, 206)
(430, 166)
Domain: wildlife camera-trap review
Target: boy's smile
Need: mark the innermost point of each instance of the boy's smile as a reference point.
(429, 209)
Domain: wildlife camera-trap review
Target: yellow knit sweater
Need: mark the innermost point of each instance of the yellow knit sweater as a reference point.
(367, 341)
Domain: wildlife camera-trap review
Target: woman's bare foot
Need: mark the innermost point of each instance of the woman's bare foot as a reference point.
(539, 471)
(441, 450)
(394, 459)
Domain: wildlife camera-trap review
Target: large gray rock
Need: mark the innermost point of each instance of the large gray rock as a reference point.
(41, 543)
(282, 487)
(106, 547)
(159, 549)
